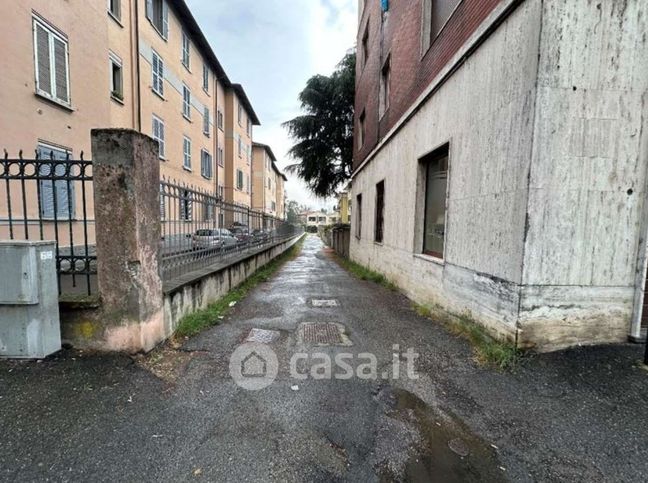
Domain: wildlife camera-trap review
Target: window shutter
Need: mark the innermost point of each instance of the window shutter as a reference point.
(43, 80)
(149, 9)
(61, 71)
(46, 193)
(165, 19)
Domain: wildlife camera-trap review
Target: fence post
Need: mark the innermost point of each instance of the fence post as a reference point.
(127, 214)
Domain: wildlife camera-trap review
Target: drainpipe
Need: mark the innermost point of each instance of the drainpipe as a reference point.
(137, 63)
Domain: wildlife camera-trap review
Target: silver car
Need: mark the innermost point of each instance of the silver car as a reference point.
(213, 238)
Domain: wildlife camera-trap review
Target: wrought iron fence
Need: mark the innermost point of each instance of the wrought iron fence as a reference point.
(50, 197)
(200, 229)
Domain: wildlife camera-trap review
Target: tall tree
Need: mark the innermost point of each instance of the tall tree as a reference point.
(324, 133)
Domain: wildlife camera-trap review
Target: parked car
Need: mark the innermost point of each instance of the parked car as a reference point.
(241, 232)
(260, 236)
(213, 238)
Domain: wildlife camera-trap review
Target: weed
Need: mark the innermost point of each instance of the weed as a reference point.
(501, 355)
(364, 273)
(200, 320)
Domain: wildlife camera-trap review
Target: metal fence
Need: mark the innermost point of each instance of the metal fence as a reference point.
(199, 229)
(50, 197)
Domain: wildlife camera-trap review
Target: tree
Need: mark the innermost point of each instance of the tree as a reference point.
(324, 133)
(293, 210)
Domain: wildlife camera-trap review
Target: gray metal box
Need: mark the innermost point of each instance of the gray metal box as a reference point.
(29, 313)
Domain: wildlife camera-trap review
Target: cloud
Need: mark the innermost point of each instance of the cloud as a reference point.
(272, 47)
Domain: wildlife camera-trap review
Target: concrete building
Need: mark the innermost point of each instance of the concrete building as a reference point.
(139, 64)
(500, 162)
(268, 182)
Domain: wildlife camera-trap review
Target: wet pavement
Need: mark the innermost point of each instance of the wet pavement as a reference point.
(179, 415)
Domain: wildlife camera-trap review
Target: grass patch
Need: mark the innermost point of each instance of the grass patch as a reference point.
(363, 273)
(200, 320)
(501, 355)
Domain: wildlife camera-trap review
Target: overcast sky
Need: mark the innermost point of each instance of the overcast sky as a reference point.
(272, 47)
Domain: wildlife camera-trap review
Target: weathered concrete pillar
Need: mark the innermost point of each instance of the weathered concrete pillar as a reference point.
(127, 214)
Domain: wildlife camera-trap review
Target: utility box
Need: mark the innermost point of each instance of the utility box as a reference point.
(30, 327)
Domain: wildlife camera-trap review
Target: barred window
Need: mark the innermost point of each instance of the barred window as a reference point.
(186, 213)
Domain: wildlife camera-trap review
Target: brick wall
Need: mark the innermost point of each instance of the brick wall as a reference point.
(399, 33)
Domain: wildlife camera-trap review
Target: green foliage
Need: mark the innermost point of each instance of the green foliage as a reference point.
(363, 273)
(501, 355)
(324, 133)
(195, 323)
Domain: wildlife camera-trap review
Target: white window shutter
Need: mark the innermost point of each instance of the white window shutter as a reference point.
(165, 19)
(149, 9)
(43, 79)
(61, 71)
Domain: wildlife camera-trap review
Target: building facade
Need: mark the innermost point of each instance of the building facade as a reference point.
(500, 162)
(137, 64)
(268, 182)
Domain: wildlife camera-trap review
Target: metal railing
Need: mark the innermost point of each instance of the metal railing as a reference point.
(200, 229)
(47, 198)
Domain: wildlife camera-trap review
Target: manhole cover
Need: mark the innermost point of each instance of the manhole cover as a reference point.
(323, 334)
(325, 303)
(262, 336)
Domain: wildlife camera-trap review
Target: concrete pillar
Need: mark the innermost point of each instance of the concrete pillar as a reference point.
(127, 214)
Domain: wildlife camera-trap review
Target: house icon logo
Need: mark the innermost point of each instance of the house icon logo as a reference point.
(253, 366)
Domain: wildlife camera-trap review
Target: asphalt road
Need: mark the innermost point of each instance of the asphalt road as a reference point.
(178, 415)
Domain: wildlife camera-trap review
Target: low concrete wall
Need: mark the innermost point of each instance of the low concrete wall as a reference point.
(185, 297)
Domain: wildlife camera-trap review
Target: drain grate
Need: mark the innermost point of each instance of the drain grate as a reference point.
(324, 303)
(262, 336)
(322, 334)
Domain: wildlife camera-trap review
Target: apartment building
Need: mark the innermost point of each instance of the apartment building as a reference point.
(500, 162)
(139, 64)
(240, 119)
(268, 182)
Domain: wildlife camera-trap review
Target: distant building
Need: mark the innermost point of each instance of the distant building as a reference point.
(268, 190)
(500, 162)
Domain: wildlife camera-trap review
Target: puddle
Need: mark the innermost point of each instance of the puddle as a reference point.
(443, 440)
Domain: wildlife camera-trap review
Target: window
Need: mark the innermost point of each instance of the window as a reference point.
(158, 135)
(249, 127)
(56, 196)
(157, 65)
(358, 216)
(157, 11)
(240, 115)
(186, 148)
(361, 130)
(380, 212)
(221, 191)
(116, 78)
(240, 147)
(269, 183)
(206, 164)
(186, 51)
(206, 78)
(365, 45)
(114, 8)
(435, 15)
(186, 206)
(186, 102)
(385, 84)
(206, 122)
(51, 63)
(221, 122)
(239, 180)
(221, 157)
(435, 166)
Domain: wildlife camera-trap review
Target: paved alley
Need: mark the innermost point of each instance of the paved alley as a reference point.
(576, 414)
